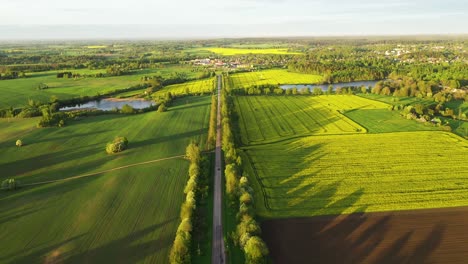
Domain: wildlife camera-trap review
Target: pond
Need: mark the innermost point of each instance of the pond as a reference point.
(110, 103)
(324, 87)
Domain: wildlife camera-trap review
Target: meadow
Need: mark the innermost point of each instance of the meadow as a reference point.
(16, 92)
(244, 51)
(383, 120)
(127, 214)
(276, 76)
(339, 174)
(204, 86)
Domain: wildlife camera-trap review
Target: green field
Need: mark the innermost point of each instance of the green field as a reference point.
(204, 86)
(394, 100)
(247, 79)
(269, 118)
(16, 92)
(127, 214)
(384, 120)
(309, 159)
(325, 175)
(243, 51)
(456, 105)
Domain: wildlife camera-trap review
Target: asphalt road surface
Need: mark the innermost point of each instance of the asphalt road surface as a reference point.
(218, 254)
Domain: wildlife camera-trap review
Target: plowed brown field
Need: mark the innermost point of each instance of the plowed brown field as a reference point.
(419, 236)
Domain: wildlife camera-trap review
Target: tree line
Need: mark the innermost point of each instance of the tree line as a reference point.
(211, 141)
(182, 247)
(7, 74)
(240, 193)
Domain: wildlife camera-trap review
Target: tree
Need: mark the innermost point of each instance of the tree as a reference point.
(10, 184)
(317, 91)
(42, 86)
(118, 145)
(278, 91)
(255, 250)
(9, 114)
(162, 108)
(180, 251)
(192, 152)
(127, 109)
(19, 143)
(363, 89)
(330, 89)
(231, 179)
(53, 99)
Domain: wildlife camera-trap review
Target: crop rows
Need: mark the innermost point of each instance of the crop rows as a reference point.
(247, 79)
(361, 172)
(129, 214)
(267, 118)
(204, 86)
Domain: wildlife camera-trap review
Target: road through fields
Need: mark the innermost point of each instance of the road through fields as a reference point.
(218, 254)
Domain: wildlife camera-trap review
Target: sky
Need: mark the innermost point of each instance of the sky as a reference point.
(33, 19)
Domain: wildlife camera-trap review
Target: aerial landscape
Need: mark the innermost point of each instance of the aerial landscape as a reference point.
(160, 135)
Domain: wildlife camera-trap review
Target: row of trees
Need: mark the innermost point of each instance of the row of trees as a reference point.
(343, 71)
(452, 75)
(211, 141)
(270, 89)
(240, 194)
(408, 86)
(7, 75)
(181, 248)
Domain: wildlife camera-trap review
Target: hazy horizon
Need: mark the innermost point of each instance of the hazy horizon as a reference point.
(182, 19)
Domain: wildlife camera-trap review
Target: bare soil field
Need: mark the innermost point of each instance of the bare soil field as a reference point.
(418, 236)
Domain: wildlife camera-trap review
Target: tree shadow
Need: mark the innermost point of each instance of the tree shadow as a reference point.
(162, 139)
(12, 216)
(48, 139)
(37, 256)
(126, 249)
(189, 105)
(354, 238)
(29, 165)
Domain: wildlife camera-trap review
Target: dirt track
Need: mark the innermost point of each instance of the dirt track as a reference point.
(420, 236)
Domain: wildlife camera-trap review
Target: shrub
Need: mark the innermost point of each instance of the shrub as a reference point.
(118, 145)
(10, 184)
(19, 143)
(127, 109)
(255, 250)
(162, 108)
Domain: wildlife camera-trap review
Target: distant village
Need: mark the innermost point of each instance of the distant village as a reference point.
(219, 63)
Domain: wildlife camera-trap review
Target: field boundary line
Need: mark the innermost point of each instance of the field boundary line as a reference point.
(104, 171)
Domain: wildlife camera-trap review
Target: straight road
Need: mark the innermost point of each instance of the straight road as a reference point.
(218, 254)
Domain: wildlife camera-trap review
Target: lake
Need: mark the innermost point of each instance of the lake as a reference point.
(111, 103)
(324, 87)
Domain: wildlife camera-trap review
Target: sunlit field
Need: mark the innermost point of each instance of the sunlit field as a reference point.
(247, 79)
(129, 213)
